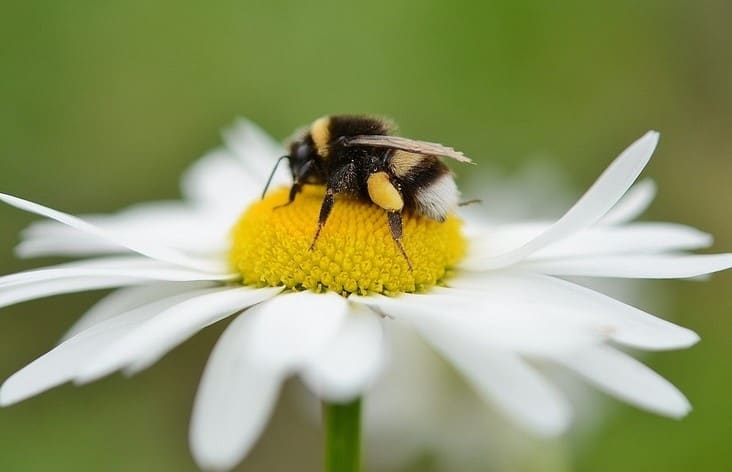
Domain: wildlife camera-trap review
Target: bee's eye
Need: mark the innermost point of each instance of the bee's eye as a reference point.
(303, 152)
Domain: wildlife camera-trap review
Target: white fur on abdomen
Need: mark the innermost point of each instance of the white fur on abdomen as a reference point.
(439, 198)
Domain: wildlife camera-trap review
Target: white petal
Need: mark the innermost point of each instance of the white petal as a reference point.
(291, 328)
(502, 378)
(502, 237)
(257, 151)
(351, 361)
(489, 242)
(502, 322)
(661, 266)
(55, 367)
(622, 323)
(170, 224)
(149, 211)
(78, 245)
(220, 182)
(151, 340)
(605, 239)
(133, 267)
(61, 364)
(234, 401)
(126, 299)
(17, 294)
(594, 204)
(633, 203)
(627, 379)
(626, 239)
(411, 387)
(144, 248)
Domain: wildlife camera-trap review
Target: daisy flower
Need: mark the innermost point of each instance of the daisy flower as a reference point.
(491, 300)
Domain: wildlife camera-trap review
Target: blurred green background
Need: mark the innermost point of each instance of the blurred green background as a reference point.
(103, 104)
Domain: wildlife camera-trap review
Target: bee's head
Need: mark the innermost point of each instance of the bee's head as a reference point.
(304, 163)
(304, 160)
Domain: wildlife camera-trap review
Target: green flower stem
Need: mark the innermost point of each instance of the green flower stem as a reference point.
(342, 424)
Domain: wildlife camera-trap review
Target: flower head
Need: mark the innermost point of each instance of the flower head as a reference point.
(355, 253)
(491, 299)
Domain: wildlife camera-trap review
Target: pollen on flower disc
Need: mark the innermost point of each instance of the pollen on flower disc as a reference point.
(355, 252)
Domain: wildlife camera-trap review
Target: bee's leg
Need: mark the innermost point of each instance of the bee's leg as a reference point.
(297, 184)
(395, 226)
(470, 202)
(294, 190)
(325, 208)
(340, 181)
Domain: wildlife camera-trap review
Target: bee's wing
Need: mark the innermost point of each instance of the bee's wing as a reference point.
(410, 145)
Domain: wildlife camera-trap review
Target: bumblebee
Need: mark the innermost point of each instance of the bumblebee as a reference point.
(358, 156)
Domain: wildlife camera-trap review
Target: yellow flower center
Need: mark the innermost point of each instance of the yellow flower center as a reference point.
(355, 252)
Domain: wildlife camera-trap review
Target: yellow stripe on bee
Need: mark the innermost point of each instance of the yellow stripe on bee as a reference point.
(402, 162)
(383, 193)
(320, 132)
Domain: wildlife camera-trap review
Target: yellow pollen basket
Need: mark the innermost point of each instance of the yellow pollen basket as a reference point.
(355, 252)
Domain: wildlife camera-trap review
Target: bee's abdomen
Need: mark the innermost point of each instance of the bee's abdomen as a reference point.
(416, 170)
(426, 183)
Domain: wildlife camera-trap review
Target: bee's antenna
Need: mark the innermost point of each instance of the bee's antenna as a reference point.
(274, 169)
